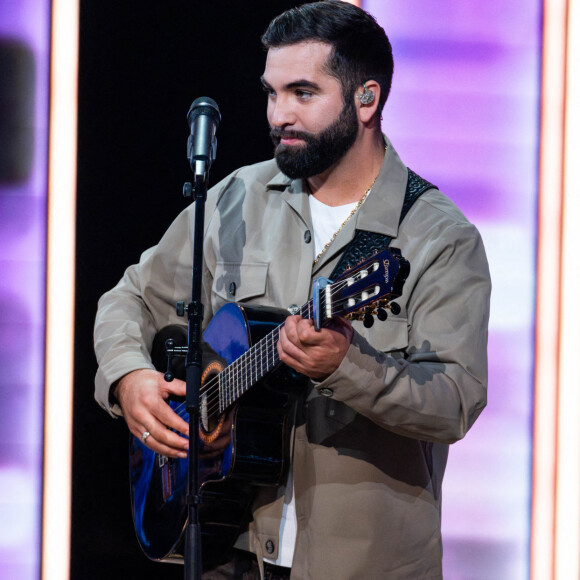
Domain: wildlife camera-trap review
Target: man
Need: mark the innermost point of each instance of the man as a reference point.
(372, 429)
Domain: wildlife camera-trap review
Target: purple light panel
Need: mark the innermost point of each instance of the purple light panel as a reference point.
(24, 50)
(463, 113)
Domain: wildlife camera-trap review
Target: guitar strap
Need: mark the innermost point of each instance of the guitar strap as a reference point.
(365, 244)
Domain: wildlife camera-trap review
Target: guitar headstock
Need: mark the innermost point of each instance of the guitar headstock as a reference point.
(368, 289)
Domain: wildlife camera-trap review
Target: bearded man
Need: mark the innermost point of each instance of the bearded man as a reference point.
(371, 426)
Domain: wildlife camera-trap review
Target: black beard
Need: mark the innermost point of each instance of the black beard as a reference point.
(320, 151)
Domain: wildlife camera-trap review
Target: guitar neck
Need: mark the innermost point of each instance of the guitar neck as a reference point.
(253, 365)
(361, 289)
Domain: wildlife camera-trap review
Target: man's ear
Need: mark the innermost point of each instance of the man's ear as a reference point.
(367, 99)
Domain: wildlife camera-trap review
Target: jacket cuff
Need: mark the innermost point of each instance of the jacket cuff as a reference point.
(110, 373)
(349, 379)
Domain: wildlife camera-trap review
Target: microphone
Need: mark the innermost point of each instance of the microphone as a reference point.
(203, 119)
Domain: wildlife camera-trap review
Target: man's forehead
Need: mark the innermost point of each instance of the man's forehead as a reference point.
(304, 46)
(307, 57)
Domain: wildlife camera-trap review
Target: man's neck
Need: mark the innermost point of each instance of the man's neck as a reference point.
(348, 179)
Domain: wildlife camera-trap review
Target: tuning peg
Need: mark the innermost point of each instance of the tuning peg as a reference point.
(368, 320)
(395, 308)
(382, 314)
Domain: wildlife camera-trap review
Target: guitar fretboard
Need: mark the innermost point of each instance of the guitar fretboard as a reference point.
(252, 366)
(358, 287)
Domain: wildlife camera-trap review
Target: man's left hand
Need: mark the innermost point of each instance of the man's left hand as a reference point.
(316, 354)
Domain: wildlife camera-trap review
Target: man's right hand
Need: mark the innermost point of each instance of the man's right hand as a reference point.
(143, 396)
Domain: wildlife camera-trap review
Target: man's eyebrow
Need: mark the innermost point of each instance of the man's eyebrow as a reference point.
(298, 84)
(303, 84)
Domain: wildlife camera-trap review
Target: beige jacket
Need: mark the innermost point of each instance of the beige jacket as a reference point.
(368, 460)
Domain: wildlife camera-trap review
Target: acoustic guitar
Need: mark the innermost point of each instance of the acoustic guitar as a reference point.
(244, 401)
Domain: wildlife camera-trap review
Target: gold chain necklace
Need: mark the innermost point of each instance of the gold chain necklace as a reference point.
(354, 210)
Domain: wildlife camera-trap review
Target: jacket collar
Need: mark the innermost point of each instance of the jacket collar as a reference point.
(381, 210)
(379, 213)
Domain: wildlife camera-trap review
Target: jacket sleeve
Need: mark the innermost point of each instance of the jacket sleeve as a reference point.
(143, 302)
(130, 314)
(435, 387)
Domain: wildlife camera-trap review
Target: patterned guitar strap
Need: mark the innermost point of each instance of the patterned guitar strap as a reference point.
(365, 244)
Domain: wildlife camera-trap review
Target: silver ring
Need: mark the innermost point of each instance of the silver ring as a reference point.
(144, 436)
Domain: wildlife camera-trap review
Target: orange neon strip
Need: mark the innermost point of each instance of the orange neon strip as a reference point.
(567, 532)
(548, 305)
(56, 505)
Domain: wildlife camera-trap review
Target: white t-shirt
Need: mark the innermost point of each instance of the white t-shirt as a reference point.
(326, 220)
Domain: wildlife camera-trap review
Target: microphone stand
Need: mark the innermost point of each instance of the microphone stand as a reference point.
(193, 360)
(192, 550)
(203, 118)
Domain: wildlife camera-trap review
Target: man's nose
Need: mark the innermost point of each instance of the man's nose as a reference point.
(282, 113)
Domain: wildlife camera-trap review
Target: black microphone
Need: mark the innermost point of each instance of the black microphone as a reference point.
(203, 119)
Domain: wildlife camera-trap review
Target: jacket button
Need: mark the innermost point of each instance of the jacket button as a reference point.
(326, 392)
(233, 288)
(307, 236)
(270, 547)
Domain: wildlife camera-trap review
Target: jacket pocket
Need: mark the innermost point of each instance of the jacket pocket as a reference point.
(235, 282)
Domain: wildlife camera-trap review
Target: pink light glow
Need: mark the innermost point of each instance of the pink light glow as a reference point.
(24, 39)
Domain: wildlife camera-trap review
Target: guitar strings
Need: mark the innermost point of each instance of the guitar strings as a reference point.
(240, 374)
(235, 376)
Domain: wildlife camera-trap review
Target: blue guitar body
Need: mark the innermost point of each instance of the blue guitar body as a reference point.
(248, 450)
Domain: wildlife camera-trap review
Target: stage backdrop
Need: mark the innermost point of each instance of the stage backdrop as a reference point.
(463, 114)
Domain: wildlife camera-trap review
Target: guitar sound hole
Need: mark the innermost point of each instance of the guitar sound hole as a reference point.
(212, 422)
(217, 437)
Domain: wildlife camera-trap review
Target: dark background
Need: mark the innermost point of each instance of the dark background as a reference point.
(141, 66)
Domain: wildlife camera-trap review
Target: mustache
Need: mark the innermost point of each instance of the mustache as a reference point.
(276, 134)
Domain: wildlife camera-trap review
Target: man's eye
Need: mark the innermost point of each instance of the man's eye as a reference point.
(269, 91)
(303, 95)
